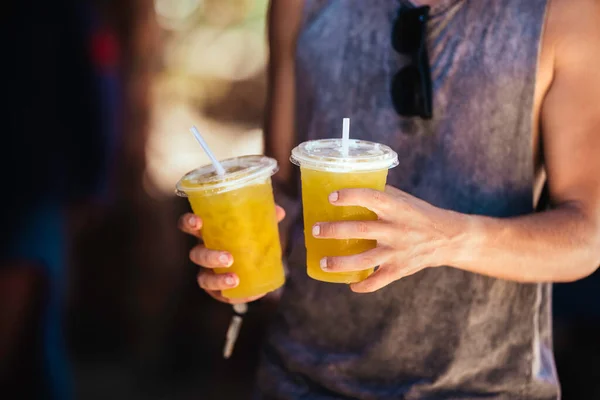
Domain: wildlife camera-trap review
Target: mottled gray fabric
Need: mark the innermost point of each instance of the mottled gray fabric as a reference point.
(442, 333)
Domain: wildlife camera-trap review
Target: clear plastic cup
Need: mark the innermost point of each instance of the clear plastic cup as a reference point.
(238, 215)
(325, 168)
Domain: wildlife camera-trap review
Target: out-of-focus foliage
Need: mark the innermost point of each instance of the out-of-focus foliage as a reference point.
(212, 74)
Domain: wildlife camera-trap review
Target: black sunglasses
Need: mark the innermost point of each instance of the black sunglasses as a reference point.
(411, 86)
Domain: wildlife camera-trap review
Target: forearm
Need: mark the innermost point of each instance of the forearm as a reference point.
(284, 20)
(562, 244)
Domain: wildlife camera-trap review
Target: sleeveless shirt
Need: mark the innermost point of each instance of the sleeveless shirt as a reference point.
(442, 333)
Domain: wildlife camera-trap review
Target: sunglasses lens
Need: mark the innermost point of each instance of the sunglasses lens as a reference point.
(407, 92)
(411, 86)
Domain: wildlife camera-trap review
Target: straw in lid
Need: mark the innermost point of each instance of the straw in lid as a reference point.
(239, 172)
(330, 155)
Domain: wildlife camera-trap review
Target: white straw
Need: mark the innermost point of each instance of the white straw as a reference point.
(345, 136)
(232, 334)
(218, 167)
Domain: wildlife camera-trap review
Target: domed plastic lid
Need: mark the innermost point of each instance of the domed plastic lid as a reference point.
(239, 172)
(328, 155)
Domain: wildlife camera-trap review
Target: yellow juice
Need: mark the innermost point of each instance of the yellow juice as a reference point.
(243, 222)
(316, 188)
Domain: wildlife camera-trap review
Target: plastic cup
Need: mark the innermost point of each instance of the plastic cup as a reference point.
(324, 169)
(238, 215)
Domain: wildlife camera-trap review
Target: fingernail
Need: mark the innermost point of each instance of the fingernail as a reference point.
(225, 260)
(323, 263)
(333, 197)
(230, 281)
(192, 220)
(316, 230)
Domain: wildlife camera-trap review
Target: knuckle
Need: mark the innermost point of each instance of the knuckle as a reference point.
(193, 255)
(201, 278)
(369, 287)
(349, 195)
(198, 255)
(182, 224)
(378, 197)
(335, 263)
(214, 282)
(368, 261)
(330, 229)
(362, 227)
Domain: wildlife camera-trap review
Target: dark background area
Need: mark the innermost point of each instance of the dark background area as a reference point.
(86, 81)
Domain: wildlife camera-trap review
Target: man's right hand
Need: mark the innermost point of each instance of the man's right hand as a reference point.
(208, 260)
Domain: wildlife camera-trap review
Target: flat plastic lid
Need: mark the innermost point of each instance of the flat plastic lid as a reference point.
(327, 155)
(239, 172)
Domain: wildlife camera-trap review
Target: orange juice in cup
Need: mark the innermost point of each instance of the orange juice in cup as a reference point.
(326, 167)
(238, 214)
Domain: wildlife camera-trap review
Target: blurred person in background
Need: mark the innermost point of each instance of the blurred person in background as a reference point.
(60, 90)
(485, 102)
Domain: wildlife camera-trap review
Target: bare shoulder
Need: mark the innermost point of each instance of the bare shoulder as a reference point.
(570, 110)
(573, 30)
(570, 47)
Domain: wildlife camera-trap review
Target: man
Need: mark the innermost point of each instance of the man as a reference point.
(459, 307)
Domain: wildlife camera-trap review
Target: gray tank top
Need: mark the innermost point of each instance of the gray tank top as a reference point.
(442, 333)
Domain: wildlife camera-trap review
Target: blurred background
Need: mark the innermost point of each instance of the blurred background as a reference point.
(103, 94)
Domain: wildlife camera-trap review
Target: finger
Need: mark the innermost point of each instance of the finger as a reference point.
(395, 192)
(379, 279)
(208, 280)
(358, 262)
(405, 198)
(206, 258)
(280, 213)
(190, 224)
(374, 200)
(375, 230)
(383, 277)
